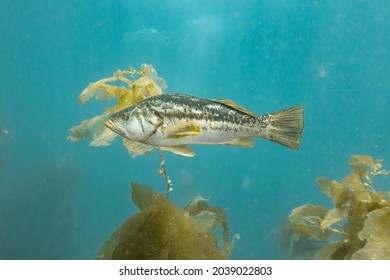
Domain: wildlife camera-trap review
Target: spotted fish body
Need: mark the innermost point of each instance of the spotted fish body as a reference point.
(176, 120)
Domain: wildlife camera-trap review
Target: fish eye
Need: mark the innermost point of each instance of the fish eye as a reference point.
(125, 116)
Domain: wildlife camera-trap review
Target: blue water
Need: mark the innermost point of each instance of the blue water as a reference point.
(61, 200)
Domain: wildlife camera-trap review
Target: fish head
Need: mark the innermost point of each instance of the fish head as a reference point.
(130, 124)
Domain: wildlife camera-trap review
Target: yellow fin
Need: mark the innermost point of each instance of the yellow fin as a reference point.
(182, 129)
(179, 150)
(234, 106)
(246, 142)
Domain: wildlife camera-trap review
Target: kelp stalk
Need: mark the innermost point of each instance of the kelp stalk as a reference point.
(163, 173)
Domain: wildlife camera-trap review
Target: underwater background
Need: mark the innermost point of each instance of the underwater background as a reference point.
(61, 200)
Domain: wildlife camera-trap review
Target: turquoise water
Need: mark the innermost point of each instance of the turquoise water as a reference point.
(61, 200)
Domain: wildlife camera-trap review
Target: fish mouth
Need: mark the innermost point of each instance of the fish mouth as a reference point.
(114, 127)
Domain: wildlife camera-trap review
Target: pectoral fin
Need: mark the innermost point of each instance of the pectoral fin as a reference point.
(179, 150)
(246, 142)
(180, 130)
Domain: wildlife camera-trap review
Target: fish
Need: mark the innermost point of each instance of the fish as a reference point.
(174, 121)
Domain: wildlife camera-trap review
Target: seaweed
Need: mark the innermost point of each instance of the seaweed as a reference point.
(133, 87)
(357, 228)
(162, 231)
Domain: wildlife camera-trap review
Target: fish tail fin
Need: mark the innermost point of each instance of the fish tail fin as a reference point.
(285, 127)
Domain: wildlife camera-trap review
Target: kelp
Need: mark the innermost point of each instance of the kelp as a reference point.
(162, 231)
(376, 232)
(357, 228)
(128, 87)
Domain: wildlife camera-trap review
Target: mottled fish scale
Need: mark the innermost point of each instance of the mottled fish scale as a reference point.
(176, 108)
(174, 120)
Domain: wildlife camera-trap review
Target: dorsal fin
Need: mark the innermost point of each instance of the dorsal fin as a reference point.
(235, 106)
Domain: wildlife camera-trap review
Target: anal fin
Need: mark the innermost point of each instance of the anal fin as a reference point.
(246, 142)
(179, 150)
